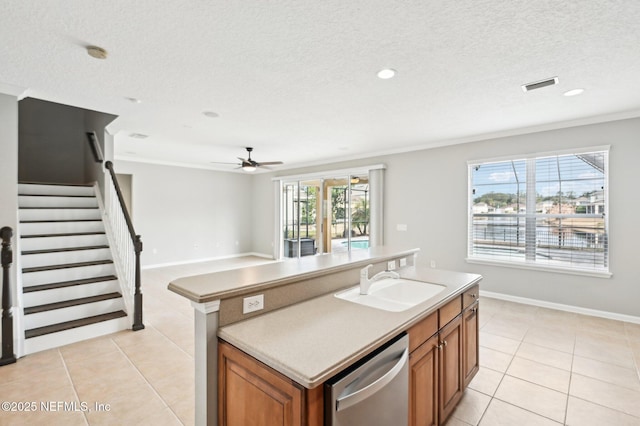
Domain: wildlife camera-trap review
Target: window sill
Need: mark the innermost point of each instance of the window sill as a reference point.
(542, 268)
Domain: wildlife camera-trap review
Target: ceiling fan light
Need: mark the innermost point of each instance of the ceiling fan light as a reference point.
(249, 168)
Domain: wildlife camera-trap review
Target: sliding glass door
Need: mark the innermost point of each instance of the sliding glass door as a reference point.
(327, 215)
(300, 213)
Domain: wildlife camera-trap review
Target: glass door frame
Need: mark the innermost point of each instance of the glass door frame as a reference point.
(375, 191)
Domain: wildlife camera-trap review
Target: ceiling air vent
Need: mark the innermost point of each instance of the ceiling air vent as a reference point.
(539, 84)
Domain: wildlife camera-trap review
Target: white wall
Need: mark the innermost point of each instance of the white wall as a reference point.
(427, 191)
(9, 161)
(9, 174)
(188, 214)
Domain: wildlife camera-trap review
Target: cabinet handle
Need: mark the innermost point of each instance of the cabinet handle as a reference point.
(444, 342)
(473, 295)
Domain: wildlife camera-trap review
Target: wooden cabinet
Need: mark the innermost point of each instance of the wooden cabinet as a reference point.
(443, 364)
(470, 352)
(423, 372)
(443, 360)
(423, 384)
(450, 371)
(252, 394)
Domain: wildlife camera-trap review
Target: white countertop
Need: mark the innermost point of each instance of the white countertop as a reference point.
(214, 286)
(313, 340)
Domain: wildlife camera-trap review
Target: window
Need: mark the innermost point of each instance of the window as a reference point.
(546, 211)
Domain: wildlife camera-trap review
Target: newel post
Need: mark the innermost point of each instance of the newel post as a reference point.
(8, 357)
(137, 297)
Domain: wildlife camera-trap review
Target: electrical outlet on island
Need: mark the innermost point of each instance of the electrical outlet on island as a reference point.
(253, 303)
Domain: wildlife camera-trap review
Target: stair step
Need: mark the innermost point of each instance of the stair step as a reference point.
(60, 221)
(54, 328)
(58, 250)
(58, 207)
(69, 234)
(29, 182)
(63, 241)
(77, 272)
(62, 284)
(54, 293)
(26, 188)
(72, 302)
(57, 195)
(90, 213)
(66, 266)
(59, 256)
(39, 200)
(55, 227)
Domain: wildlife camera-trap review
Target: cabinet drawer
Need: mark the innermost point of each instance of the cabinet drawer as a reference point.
(450, 311)
(419, 333)
(470, 296)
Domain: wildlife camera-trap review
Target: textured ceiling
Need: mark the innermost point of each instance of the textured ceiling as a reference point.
(297, 79)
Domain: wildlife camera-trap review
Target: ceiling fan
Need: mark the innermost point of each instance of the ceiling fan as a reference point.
(250, 165)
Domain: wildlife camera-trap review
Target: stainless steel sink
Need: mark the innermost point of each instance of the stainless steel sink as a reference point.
(393, 294)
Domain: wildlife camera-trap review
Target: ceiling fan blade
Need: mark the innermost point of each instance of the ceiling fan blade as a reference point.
(218, 162)
(270, 163)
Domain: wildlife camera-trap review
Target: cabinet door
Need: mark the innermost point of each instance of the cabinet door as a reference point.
(252, 394)
(423, 384)
(450, 367)
(470, 358)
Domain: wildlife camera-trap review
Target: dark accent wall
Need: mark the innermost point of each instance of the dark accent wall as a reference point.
(53, 145)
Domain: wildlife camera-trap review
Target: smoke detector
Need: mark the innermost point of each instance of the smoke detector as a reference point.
(97, 52)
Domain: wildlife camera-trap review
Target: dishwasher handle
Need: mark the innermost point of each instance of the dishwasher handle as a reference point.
(351, 399)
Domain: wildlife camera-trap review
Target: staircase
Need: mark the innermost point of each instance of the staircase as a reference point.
(70, 289)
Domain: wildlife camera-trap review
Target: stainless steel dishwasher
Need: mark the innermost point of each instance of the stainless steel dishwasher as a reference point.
(372, 392)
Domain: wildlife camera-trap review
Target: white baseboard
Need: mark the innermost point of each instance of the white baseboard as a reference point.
(207, 259)
(561, 307)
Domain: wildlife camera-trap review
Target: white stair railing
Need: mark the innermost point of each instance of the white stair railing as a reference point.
(126, 246)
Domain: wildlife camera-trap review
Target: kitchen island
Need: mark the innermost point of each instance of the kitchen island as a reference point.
(304, 333)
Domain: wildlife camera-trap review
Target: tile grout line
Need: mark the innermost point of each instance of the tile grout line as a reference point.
(573, 357)
(529, 411)
(73, 386)
(148, 383)
(501, 379)
(150, 324)
(606, 407)
(506, 374)
(634, 354)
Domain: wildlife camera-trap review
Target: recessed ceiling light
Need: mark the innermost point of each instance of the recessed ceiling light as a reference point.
(210, 114)
(97, 52)
(574, 92)
(138, 135)
(134, 100)
(386, 73)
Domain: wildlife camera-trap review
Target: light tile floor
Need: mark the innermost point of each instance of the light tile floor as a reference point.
(127, 378)
(541, 366)
(538, 367)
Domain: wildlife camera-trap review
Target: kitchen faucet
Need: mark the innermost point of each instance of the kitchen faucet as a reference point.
(365, 282)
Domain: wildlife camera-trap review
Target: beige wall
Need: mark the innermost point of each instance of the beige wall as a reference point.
(427, 191)
(186, 214)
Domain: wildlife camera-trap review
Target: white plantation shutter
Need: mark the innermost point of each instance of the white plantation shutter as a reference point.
(544, 211)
